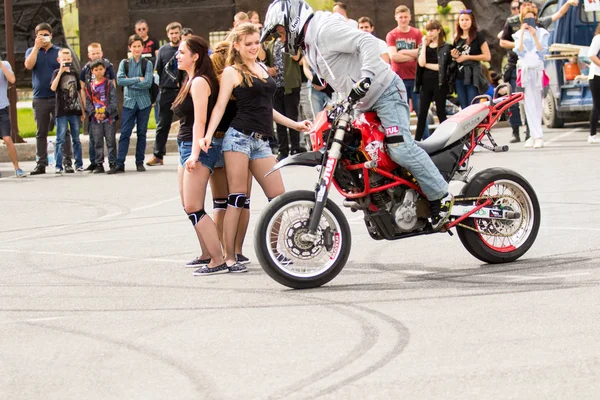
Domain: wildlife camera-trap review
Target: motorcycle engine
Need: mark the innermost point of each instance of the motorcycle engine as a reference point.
(405, 212)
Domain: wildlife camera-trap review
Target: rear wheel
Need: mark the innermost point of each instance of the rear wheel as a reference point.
(285, 251)
(494, 240)
(550, 113)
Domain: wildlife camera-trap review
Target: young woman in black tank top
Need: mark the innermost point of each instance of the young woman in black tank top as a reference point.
(193, 105)
(245, 147)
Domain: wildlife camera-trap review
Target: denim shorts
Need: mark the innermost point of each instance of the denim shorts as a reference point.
(240, 143)
(4, 122)
(221, 160)
(209, 160)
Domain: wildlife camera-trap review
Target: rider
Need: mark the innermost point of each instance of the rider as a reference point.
(343, 56)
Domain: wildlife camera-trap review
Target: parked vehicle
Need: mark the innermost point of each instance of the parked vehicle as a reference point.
(568, 97)
(303, 240)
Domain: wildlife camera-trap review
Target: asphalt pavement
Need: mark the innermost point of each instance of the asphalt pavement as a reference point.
(95, 302)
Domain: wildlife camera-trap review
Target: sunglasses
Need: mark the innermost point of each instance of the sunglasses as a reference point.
(514, 8)
(467, 11)
(45, 34)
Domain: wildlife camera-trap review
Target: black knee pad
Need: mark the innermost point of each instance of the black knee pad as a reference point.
(247, 204)
(237, 200)
(196, 216)
(219, 204)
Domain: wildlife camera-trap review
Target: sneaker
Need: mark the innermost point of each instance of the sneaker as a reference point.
(154, 161)
(593, 139)
(38, 170)
(237, 267)
(98, 169)
(79, 169)
(206, 270)
(91, 167)
(197, 262)
(69, 169)
(58, 171)
(440, 211)
(538, 143)
(529, 143)
(19, 173)
(242, 259)
(116, 170)
(140, 168)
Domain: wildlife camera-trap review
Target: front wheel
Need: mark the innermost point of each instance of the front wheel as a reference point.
(499, 241)
(288, 254)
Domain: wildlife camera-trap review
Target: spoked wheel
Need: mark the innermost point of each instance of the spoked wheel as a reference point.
(499, 241)
(289, 254)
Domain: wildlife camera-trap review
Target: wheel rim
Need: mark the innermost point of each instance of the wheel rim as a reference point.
(295, 256)
(519, 230)
(547, 110)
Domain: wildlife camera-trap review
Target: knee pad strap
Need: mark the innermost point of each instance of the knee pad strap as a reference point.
(219, 204)
(237, 200)
(196, 216)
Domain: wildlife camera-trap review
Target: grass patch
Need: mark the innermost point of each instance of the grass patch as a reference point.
(27, 127)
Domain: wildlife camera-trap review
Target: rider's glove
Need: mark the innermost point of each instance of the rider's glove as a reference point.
(360, 89)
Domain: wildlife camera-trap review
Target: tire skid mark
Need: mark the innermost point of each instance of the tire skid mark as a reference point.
(201, 384)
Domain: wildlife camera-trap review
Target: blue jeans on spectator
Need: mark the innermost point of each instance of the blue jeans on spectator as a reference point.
(61, 130)
(392, 109)
(318, 100)
(129, 118)
(410, 93)
(466, 93)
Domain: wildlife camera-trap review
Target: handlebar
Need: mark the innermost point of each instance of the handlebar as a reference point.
(502, 86)
(481, 97)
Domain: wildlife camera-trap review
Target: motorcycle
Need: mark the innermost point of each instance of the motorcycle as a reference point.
(303, 240)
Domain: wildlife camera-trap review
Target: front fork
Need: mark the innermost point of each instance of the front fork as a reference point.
(326, 176)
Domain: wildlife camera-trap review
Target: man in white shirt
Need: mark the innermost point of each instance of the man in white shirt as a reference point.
(365, 24)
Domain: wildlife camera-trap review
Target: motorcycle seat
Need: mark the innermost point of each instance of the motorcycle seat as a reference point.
(455, 128)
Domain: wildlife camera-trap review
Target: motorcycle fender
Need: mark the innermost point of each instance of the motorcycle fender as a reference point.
(307, 159)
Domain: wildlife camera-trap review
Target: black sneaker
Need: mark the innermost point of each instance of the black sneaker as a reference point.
(197, 262)
(69, 170)
(237, 267)
(242, 259)
(206, 270)
(38, 170)
(140, 168)
(91, 167)
(98, 169)
(440, 211)
(116, 170)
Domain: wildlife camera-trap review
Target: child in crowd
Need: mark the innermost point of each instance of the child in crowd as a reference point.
(101, 107)
(66, 85)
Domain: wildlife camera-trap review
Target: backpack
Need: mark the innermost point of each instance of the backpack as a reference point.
(153, 88)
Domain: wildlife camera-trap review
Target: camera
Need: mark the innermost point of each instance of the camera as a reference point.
(68, 65)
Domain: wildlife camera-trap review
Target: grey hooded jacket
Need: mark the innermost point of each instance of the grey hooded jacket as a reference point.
(342, 56)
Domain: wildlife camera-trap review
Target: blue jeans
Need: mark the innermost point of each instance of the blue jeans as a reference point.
(466, 93)
(318, 100)
(392, 109)
(61, 130)
(129, 118)
(410, 94)
(238, 142)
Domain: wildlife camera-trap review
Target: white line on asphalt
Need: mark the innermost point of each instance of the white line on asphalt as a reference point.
(102, 256)
(537, 277)
(31, 320)
(569, 228)
(564, 135)
(158, 203)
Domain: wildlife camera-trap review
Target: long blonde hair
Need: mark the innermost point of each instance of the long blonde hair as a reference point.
(234, 58)
(219, 57)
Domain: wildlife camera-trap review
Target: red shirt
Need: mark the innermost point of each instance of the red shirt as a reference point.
(404, 41)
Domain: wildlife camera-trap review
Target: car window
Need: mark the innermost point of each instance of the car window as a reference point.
(591, 17)
(547, 12)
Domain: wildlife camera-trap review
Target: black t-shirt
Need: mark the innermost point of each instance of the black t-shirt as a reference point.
(228, 116)
(166, 66)
(255, 106)
(431, 57)
(470, 49)
(150, 47)
(67, 94)
(185, 112)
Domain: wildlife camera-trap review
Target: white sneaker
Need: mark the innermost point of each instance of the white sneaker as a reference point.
(593, 139)
(529, 143)
(58, 171)
(538, 143)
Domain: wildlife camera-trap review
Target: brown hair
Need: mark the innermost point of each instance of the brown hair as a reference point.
(202, 67)
(472, 30)
(219, 57)
(95, 45)
(435, 24)
(43, 27)
(64, 50)
(251, 14)
(401, 9)
(173, 25)
(235, 59)
(527, 10)
(341, 5)
(134, 38)
(368, 20)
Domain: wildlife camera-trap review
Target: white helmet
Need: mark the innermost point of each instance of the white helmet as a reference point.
(292, 15)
